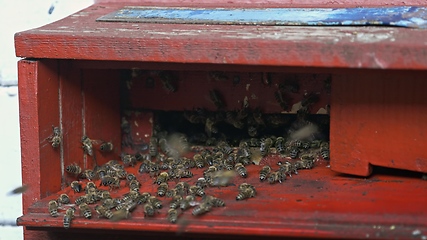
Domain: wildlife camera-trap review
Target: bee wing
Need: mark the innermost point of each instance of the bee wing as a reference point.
(194, 203)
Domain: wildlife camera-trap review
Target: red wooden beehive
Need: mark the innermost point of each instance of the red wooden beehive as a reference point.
(85, 76)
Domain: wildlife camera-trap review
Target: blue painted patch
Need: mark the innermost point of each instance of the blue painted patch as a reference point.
(415, 17)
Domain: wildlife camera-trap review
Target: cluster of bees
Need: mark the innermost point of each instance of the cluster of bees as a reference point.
(169, 159)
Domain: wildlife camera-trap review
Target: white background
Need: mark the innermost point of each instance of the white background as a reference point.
(18, 16)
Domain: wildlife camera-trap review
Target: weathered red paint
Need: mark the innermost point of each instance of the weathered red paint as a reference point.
(101, 93)
(379, 118)
(71, 116)
(81, 37)
(39, 111)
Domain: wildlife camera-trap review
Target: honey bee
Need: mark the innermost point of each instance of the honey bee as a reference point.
(183, 173)
(293, 152)
(228, 165)
(182, 187)
(324, 150)
(167, 81)
(305, 145)
(201, 182)
(232, 118)
(252, 131)
(53, 208)
(76, 186)
(74, 169)
(218, 76)
(304, 163)
(128, 206)
(199, 160)
(89, 185)
(246, 193)
(104, 212)
(87, 145)
(121, 173)
(195, 190)
(244, 186)
(85, 210)
(64, 199)
(244, 151)
(157, 204)
(148, 210)
(91, 198)
(203, 208)
(128, 160)
(106, 147)
(162, 189)
(69, 215)
(193, 117)
(288, 168)
(144, 167)
(134, 185)
(176, 201)
(254, 142)
(309, 99)
(264, 173)
(265, 146)
(162, 178)
(280, 145)
(172, 215)
(107, 180)
(142, 198)
(152, 147)
(115, 182)
(277, 176)
(80, 200)
(109, 203)
(278, 95)
(216, 99)
(189, 163)
(130, 177)
(258, 117)
(225, 147)
(187, 202)
(210, 127)
(214, 201)
(172, 193)
(88, 174)
(241, 170)
(56, 138)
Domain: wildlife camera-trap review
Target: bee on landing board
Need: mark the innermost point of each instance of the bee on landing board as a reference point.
(69, 215)
(53, 208)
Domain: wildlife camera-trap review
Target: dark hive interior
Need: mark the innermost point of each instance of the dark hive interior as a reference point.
(226, 136)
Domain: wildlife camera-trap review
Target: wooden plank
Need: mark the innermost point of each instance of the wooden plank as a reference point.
(81, 37)
(101, 94)
(71, 117)
(378, 118)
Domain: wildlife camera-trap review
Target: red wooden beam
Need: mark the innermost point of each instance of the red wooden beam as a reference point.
(81, 37)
